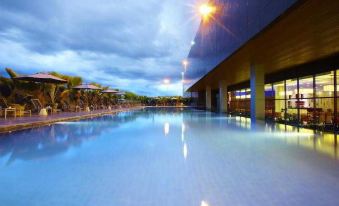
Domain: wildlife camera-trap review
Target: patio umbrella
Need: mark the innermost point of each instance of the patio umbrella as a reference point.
(42, 77)
(120, 93)
(87, 87)
(110, 91)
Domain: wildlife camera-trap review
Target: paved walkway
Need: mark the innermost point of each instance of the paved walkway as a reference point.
(19, 123)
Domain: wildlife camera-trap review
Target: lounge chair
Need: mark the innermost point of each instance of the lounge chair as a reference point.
(70, 107)
(37, 105)
(21, 111)
(55, 108)
(5, 108)
(16, 109)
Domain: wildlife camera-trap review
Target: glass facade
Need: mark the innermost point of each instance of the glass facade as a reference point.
(308, 101)
(239, 102)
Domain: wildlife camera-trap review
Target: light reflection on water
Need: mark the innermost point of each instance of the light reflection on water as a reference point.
(166, 128)
(206, 159)
(321, 142)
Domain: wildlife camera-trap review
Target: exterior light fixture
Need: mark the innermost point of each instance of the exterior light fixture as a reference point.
(206, 10)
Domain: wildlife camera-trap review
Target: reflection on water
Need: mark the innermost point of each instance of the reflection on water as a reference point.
(203, 203)
(183, 140)
(243, 122)
(324, 143)
(207, 159)
(185, 151)
(56, 139)
(166, 128)
(321, 142)
(183, 132)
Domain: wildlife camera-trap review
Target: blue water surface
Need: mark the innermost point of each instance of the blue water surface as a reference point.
(168, 157)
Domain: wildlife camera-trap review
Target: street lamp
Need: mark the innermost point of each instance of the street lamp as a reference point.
(185, 64)
(183, 83)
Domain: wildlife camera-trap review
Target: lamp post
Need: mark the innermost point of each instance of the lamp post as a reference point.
(183, 83)
(185, 64)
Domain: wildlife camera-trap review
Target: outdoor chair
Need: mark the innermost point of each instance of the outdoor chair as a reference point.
(102, 106)
(21, 110)
(5, 108)
(65, 107)
(55, 108)
(37, 105)
(71, 108)
(15, 109)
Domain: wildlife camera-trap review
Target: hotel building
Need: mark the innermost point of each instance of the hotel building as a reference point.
(273, 60)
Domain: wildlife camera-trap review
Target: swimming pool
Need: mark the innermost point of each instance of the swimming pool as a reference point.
(167, 157)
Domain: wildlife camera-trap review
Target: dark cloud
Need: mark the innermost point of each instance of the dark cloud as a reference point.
(52, 26)
(124, 39)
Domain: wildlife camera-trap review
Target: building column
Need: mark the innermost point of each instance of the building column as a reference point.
(208, 98)
(223, 96)
(257, 93)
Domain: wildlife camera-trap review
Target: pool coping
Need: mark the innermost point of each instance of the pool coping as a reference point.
(40, 123)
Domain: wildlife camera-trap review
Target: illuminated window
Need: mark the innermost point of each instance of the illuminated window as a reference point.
(306, 87)
(269, 93)
(248, 93)
(291, 89)
(325, 84)
(279, 106)
(279, 90)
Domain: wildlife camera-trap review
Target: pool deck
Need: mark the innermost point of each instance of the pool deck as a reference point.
(20, 123)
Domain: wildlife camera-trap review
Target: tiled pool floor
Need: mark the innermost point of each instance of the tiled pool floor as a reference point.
(167, 157)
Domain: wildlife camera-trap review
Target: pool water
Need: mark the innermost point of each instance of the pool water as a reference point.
(168, 157)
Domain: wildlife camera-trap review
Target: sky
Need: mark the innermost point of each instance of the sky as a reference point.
(130, 45)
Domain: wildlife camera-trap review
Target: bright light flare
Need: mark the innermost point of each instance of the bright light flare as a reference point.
(185, 63)
(206, 10)
(166, 81)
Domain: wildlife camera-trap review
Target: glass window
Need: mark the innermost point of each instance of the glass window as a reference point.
(291, 89)
(305, 103)
(336, 118)
(243, 94)
(292, 103)
(269, 91)
(307, 112)
(306, 87)
(279, 109)
(248, 93)
(279, 90)
(292, 115)
(237, 94)
(325, 110)
(325, 84)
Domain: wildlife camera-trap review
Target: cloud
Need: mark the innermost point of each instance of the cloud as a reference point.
(127, 44)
